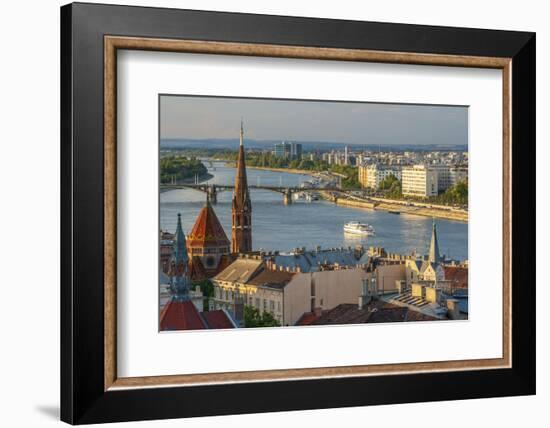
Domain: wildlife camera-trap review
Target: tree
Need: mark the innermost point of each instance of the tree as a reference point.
(180, 167)
(387, 182)
(457, 194)
(306, 164)
(395, 190)
(252, 318)
(207, 289)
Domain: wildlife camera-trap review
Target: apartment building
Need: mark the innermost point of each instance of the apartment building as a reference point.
(419, 180)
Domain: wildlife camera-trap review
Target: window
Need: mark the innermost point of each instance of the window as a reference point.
(272, 306)
(278, 306)
(258, 303)
(265, 304)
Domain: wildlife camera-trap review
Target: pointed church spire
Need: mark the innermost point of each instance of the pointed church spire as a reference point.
(434, 246)
(241, 230)
(181, 283)
(180, 247)
(242, 134)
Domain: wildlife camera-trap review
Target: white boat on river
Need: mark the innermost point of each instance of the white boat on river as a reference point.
(357, 228)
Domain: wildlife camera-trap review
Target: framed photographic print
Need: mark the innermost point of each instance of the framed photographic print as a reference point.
(265, 213)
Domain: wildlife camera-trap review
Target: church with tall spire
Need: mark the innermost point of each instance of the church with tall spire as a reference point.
(241, 228)
(181, 311)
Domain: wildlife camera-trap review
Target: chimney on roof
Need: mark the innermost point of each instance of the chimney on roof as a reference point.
(453, 311)
(365, 296)
(432, 294)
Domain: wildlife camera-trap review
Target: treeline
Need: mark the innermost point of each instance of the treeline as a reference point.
(458, 194)
(203, 152)
(176, 167)
(455, 195)
(269, 160)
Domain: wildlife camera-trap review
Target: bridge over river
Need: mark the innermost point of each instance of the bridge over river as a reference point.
(287, 191)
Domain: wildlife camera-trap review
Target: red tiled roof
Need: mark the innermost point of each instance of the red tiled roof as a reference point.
(217, 319)
(307, 318)
(458, 275)
(181, 315)
(207, 230)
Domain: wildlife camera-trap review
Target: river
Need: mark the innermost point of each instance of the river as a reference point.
(282, 227)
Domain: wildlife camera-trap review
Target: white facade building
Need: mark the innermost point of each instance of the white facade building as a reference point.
(372, 175)
(419, 180)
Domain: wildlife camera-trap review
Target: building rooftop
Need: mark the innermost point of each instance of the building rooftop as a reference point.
(457, 275)
(311, 261)
(218, 319)
(207, 230)
(418, 304)
(376, 311)
(184, 315)
(426, 264)
(241, 270)
(181, 315)
(271, 279)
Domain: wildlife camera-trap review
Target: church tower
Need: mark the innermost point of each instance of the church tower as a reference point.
(241, 230)
(207, 244)
(179, 271)
(434, 246)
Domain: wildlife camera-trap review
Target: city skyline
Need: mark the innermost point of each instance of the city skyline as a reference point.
(324, 122)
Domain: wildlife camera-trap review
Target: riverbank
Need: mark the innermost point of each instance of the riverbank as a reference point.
(398, 207)
(289, 170)
(381, 204)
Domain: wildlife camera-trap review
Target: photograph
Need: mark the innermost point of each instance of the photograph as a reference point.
(277, 210)
(302, 213)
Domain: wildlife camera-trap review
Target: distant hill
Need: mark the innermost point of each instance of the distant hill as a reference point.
(307, 145)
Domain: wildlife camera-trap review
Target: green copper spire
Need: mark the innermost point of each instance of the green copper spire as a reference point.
(181, 283)
(180, 246)
(434, 246)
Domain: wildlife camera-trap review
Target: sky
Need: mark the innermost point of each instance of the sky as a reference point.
(192, 117)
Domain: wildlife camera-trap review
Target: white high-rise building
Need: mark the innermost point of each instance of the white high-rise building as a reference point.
(419, 180)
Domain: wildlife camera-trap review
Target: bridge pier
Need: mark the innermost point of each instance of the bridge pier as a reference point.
(287, 197)
(212, 194)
